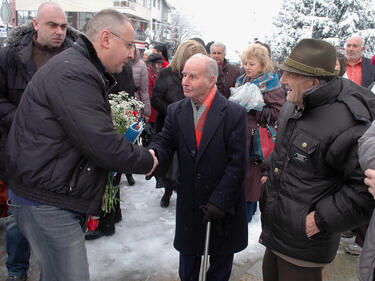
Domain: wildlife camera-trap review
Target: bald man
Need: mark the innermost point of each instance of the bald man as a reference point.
(29, 47)
(202, 128)
(358, 68)
(62, 144)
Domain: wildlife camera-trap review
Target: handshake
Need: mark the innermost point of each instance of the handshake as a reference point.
(156, 162)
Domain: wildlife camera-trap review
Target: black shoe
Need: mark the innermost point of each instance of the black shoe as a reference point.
(17, 278)
(130, 179)
(95, 234)
(118, 216)
(164, 202)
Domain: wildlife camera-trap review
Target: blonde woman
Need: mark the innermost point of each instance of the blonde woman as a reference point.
(259, 71)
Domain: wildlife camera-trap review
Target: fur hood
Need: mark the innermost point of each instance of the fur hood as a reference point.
(17, 33)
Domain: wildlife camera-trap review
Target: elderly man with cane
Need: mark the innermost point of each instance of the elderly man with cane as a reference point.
(206, 128)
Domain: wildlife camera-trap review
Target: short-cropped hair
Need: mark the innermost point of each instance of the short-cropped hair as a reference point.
(109, 19)
(211, 65)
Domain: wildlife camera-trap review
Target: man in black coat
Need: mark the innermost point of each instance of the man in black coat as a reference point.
(29, 47)
(314, 188)
(62, 144)
(209, 134)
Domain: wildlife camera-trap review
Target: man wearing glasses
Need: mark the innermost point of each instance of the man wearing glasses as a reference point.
(62, 143)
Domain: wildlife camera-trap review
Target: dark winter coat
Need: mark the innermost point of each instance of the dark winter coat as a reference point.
(62, 142)
(315, 167)
(124, 81)
(213, 173)
(16, 69)
(368, 72)
(228, 75)
(167, 90)
(274, 100)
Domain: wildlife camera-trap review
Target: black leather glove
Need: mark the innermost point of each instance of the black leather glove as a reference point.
(215, 215)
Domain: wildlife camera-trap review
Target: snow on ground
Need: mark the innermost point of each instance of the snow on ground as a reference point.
(143, 242)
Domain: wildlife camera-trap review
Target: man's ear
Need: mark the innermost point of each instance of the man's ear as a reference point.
(104, 38)
(211, 82)
(35, 25)
(316, 82)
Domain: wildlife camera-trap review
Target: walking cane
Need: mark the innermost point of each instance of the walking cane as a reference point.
(206, 245)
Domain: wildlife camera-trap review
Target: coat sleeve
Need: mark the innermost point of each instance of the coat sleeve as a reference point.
(7, 108)
(352, 204)
(228, 191)
(366, 149)
(159, 93)
(274, 101)
(83, 113)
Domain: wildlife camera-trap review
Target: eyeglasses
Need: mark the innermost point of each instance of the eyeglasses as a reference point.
(128, 44)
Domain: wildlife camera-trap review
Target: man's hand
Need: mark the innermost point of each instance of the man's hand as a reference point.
(311, 227)
(156, 162)
(263, 179)
(370, 181)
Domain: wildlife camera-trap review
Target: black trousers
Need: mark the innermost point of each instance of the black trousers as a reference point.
(219, 269)
(277, 269)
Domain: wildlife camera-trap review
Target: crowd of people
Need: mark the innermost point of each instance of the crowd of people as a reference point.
(58, 143)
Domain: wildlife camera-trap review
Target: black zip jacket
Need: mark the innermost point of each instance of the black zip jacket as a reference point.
(315, 167)
(62, 141)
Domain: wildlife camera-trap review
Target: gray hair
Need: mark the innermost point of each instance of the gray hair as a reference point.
(105, 19)
(359, 37)
(211, 65)
(219, 44)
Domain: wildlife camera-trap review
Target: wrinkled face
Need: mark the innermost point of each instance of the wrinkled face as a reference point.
(295, 84)
(217, 54)
(51, 26)
(252, 67)
(121, 47)
(194, 81)
(354, 49)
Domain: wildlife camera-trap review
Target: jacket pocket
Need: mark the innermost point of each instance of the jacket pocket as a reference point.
(304, 152)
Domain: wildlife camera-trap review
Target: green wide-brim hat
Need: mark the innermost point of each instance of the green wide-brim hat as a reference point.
(311, 57)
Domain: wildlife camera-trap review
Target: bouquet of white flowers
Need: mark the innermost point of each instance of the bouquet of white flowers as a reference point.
(124, 110)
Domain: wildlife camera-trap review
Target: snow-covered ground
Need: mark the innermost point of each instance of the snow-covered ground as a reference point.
(143, 242)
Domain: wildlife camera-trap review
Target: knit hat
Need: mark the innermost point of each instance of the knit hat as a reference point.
(311, 57)
(154, 58)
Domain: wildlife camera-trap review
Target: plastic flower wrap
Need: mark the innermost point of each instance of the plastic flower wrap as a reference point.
(248, 95)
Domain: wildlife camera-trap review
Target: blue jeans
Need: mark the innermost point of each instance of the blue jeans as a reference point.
(57, 240)
(18, 249)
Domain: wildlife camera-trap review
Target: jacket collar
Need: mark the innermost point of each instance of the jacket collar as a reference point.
(84, 46)
(321, 94)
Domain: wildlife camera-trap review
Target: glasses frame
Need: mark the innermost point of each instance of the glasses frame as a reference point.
(129, 44)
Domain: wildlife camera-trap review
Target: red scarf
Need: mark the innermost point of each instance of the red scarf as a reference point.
(202, 119)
